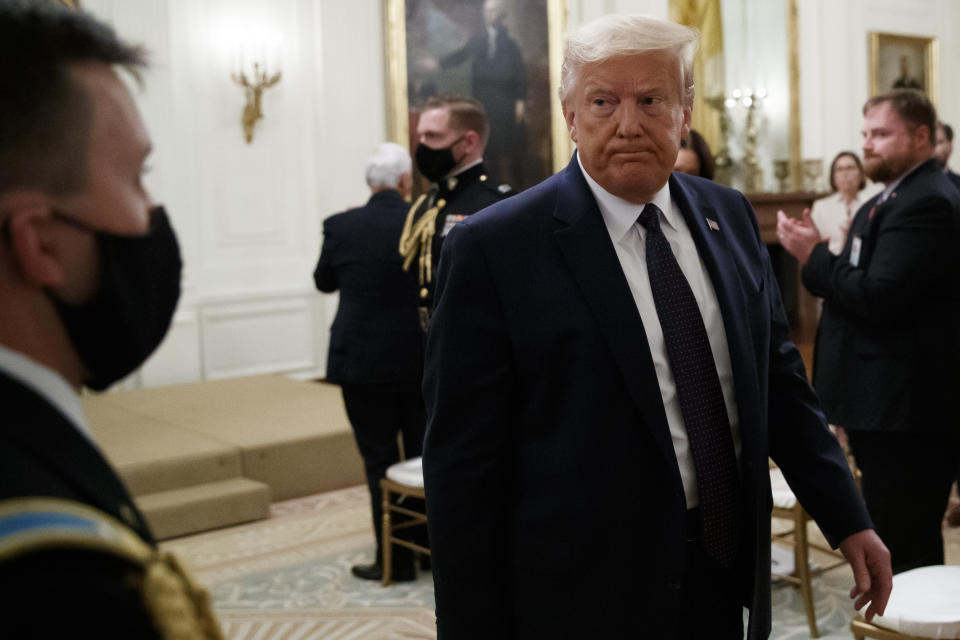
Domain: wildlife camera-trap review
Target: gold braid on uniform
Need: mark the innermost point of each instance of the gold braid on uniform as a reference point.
(179, 607)
(417, 238)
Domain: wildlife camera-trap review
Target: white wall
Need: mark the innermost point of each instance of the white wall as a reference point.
(835, 63)
(249, 216)
(583, 11)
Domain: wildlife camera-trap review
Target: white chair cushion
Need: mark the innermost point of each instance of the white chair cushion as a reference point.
(409, 472)
(924, 602)
(782, 495)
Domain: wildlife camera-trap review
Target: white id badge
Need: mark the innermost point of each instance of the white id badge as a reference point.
(855, 251)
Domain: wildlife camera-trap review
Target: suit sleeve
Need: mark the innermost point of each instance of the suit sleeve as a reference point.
(800, 441)
(325, 276)
(908, 264)
(469, 384)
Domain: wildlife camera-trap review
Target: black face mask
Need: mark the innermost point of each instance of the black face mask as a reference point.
(130, 313)
(434, 164)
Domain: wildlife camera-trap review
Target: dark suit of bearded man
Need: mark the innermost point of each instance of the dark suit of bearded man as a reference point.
(888, 355)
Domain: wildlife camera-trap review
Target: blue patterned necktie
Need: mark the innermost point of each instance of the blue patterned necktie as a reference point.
(698, 392)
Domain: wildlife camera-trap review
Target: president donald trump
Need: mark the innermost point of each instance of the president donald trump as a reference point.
(607, 372)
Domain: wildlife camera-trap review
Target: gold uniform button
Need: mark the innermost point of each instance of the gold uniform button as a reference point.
(127, 514)
(424, 293)
(483, 178)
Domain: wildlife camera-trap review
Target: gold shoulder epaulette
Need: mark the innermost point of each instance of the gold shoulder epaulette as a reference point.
(179, 607)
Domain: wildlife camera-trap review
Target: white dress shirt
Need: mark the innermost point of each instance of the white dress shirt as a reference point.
(629, 240)
(46, 382)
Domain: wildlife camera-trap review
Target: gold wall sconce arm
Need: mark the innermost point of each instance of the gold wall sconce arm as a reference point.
(253, 88)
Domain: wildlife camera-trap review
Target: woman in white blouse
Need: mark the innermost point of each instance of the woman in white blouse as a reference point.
(833, 213)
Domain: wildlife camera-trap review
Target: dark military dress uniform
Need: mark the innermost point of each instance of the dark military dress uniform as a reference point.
(433, 215)
(76, 555)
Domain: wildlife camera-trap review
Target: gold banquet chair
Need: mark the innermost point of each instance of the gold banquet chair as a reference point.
(404, 480)
(786, 506)
(924, 605)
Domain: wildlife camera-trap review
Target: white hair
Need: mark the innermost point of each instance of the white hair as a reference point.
(623, 35)
(388, 162)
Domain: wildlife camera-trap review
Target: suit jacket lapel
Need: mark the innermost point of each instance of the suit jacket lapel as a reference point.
(586, 247)
(714, 250)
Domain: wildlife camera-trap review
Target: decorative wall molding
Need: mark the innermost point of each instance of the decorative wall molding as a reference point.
(257, 336)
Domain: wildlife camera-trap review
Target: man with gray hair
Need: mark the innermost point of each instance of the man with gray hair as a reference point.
(608, 370)
(376, 343)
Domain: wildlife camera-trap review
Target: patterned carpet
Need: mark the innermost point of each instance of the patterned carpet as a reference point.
(288, 578)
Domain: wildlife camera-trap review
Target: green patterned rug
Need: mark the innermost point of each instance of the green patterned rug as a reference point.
(289, 578)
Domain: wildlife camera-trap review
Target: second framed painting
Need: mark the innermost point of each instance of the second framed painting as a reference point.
(903, 62)
(505, 54)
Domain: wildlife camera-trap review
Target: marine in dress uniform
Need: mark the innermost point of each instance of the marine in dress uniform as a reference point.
(434, 214)
(452, 135)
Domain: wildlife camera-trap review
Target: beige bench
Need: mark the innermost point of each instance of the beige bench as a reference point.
(211, 454)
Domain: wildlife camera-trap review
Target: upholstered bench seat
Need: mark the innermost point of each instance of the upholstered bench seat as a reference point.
(212, 454)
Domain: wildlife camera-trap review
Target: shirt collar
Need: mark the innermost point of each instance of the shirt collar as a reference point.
(619, 214)
(467, 167)
(47, 383)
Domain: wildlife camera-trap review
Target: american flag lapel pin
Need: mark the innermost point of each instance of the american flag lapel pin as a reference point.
(712, 225)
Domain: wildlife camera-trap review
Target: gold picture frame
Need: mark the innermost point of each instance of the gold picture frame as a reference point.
(548, 138)
(899, 61)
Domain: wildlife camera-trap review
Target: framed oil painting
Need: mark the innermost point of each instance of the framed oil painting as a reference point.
(505, 54)
(903, 62)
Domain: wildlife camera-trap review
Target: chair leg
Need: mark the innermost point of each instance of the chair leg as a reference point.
(801, 565)
(386, 540)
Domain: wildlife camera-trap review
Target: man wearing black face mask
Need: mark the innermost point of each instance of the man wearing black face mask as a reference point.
(452, 134)
(89, 280)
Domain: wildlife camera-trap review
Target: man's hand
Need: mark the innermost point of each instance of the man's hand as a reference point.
(799, 237)
(870, 561)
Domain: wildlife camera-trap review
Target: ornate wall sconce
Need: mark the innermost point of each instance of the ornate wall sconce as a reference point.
(254, 87)
(255, 80)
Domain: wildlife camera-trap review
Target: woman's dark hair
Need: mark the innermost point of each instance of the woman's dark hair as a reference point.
(833, 166)
(699, 146)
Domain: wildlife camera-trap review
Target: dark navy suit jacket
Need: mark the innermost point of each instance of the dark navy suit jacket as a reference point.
(555, 504)
(376, 336)
(888, 346)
